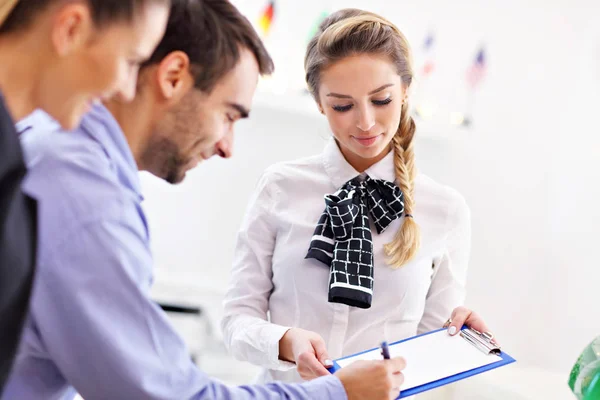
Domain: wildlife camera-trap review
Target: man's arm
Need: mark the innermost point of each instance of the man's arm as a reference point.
(110, 341)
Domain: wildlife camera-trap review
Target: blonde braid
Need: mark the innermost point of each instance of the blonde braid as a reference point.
(407, 241)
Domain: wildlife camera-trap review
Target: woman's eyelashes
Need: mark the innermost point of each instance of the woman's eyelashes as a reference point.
(348, 107)
(382, 102)
(342, 108)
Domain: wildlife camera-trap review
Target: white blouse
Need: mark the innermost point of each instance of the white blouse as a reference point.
(273, 287)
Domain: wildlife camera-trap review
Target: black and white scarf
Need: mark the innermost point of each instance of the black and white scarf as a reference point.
(343, 240)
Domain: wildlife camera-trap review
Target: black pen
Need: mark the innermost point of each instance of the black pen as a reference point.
(385, 350)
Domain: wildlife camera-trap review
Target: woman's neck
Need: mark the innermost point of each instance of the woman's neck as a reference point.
(19, 74)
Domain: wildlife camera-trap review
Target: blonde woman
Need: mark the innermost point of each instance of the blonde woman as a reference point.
(383, 257)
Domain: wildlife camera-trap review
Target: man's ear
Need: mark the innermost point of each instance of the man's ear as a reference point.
(174, 76)
(71, 28)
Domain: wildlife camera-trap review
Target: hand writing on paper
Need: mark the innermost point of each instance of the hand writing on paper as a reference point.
(373, 380)
(307, 349)
(463, 316)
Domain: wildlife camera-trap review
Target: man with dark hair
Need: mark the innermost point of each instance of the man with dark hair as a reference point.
(92, 326)
(59, 55)
(205, 41)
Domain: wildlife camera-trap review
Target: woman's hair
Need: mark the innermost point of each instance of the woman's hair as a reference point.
(352, 32)
(19, 14)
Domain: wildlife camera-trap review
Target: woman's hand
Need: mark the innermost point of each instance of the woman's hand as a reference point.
(463, 316)
(307, 349)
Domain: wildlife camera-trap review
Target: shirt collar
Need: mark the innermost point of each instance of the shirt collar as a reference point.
(340, 171)
(104, 128)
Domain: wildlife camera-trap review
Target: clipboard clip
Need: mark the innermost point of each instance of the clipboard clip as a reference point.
(482, 340)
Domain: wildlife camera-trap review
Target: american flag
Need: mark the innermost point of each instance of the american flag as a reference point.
(476, 71)
(428, 41)
(429, 65)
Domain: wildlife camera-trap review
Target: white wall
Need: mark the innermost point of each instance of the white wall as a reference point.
(529, 169)
(574, 215)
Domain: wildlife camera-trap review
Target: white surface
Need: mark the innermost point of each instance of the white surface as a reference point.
(431, 357)
(512, 382)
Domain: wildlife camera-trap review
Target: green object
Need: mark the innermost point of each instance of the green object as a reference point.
(315, 28)
(585, 376)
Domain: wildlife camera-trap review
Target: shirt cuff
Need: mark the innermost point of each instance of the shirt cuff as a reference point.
(277, 332)
(330, 385)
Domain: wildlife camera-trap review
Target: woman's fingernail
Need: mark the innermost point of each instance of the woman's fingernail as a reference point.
(452, 330)
(328, 363)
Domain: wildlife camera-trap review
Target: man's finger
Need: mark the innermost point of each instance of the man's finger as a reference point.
(396, 364)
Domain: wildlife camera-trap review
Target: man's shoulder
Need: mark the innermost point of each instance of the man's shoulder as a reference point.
(70, 174)
(46, 144)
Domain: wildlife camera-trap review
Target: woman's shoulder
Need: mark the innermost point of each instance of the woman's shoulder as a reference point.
(295, 172)
(427, 186)
(433, 197)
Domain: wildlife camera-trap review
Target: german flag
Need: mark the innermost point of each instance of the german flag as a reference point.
(266, 18)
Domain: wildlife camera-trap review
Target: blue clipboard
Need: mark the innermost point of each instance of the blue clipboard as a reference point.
(506, 359)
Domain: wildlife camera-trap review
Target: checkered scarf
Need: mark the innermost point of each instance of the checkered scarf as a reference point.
(343, 241)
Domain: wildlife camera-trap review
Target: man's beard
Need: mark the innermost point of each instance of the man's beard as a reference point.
(174, 167)
(167, 162)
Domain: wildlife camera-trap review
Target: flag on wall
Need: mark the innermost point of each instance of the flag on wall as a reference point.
(267, 15)
(477, 70)
(429, 65)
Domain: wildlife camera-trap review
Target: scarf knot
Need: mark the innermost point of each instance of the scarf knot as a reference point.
(343, 241)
